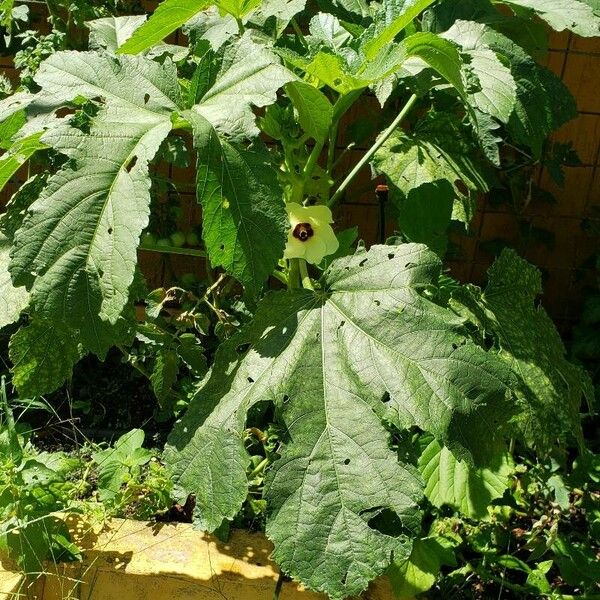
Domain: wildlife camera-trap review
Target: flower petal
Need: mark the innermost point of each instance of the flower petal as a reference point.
(315, 250)
(296, 212)
(327, 235)
(320, 213)
(294, 248)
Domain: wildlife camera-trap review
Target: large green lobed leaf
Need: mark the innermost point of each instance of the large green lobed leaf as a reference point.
(368, 348)
(76, 249)
(250, 75)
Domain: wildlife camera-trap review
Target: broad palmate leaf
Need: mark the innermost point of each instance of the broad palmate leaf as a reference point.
(548, 384)
(495, 94)
(542, 104)
(368, 347)
(250, 75)
(437, 150)
(76, 249)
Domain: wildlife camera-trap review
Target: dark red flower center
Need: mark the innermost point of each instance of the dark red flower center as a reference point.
(303, 231)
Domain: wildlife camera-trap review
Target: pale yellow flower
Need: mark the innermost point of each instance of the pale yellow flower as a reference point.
(311, 236)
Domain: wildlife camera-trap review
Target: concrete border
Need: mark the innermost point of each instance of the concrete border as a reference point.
(135, 560)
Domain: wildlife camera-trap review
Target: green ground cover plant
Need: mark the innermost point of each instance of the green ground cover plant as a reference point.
(368, 411)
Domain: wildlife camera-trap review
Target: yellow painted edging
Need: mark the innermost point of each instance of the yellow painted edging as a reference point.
(133, 560)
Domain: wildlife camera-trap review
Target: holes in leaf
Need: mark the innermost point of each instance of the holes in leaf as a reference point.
(488, 341)
(391, 255)
(259, 414)
(250, 380)
(344, 578)
(342, 323)
(110, 230)
(347, 462)
(454, 346)
(222, 247)
(65, 111)
(377, 302)
(385, 521)
(386, 397)
(132, 162)
(146, 98)
(242, 348)
(362, 262)
(337, 81)
(410, 265)
(285, 399)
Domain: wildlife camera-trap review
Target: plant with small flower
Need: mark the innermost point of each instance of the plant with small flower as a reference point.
(345, 350)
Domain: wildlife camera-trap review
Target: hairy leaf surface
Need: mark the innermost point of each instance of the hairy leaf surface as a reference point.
(76, 250)
(250, 75)
(369, 347)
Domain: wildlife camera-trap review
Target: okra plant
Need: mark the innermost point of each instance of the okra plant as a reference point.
(344, 349)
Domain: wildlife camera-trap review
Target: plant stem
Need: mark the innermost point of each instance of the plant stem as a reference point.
(262, 465)
(175, 250)
(333, 134)
(278, 587)
(306, 281)
(294, 274)
(312, 160)
(10, 421)
(367, 157)
(299, 33)
(280, 276)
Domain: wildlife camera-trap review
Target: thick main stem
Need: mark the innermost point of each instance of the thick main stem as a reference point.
(369, 154)
(294, 274)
